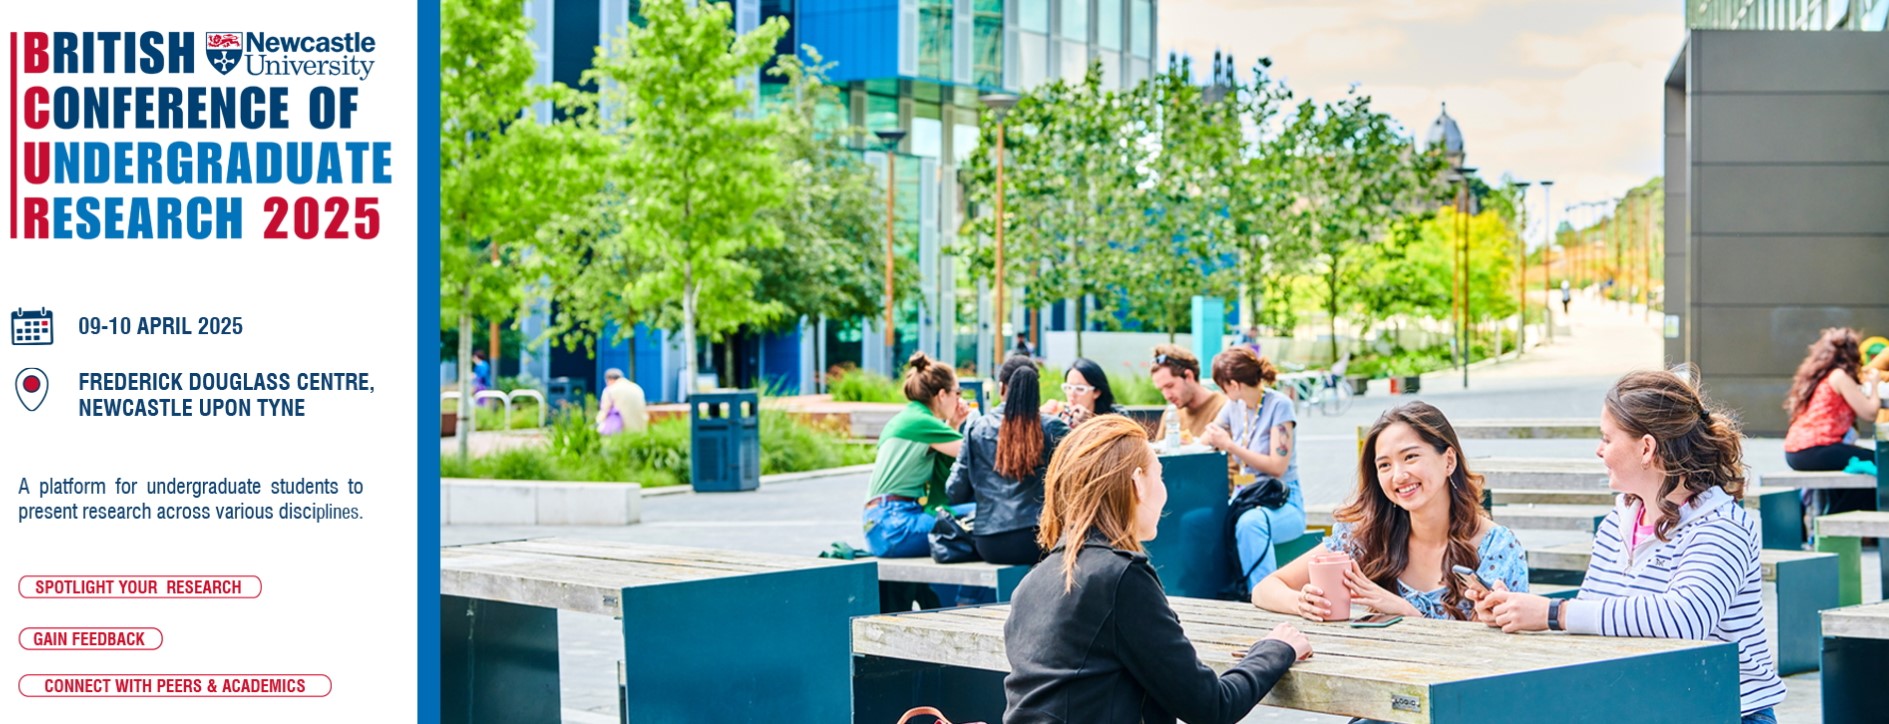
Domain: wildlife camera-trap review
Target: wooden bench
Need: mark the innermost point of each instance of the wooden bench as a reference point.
(1816, 480)
(1855, 663)
(1802, 582)
(1843, 535)
(1415, 671)
(693, 620)
(974, 573)
(1523, 516)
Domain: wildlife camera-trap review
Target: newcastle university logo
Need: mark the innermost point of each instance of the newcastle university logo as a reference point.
(225, 50)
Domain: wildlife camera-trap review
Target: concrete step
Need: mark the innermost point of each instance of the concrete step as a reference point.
(1540, 473)
(1528, 429)
(1504, 496)
(1539, 516)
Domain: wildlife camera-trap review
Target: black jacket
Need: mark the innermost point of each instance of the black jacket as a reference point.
(1112, 650)
(1003, 505)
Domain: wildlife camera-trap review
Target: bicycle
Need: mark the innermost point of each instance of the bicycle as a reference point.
(1321, 390)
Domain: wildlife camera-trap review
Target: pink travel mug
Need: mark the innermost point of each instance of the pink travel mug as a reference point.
(1328, 574)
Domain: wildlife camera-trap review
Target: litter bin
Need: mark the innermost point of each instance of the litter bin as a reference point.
(561, 390)
(725, 441)
(975, 388)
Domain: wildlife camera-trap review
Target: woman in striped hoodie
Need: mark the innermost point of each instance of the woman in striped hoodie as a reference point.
(1678, 556)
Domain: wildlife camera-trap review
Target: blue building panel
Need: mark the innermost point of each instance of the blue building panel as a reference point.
(780, 362)
(859, 36)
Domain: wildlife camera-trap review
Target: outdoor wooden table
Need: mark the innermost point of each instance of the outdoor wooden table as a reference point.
(708, 635)
(1855, 663)
(1843, 535)
(1415, 671)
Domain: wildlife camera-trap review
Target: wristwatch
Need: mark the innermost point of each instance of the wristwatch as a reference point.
(1554, 614)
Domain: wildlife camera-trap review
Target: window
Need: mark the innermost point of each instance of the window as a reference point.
(1033, 16)
(1108, 24)
(1032, 59)
(963, 142)
(1075, 60)
(1076, 20)
(934, 39)
(987, 43)
(1142, 29)
(927, 131)
(882, 113)
(1111, 69)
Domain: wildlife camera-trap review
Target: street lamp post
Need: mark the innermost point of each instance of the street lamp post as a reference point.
(1547, 246)
(1463, 174)
(999, 105)
(891, 140)
(1521, 275)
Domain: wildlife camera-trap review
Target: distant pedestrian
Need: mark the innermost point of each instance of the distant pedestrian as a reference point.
(621, 406)
(1023, 348)
(1567, 295)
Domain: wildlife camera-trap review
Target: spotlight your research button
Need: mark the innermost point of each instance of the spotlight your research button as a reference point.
(140, 586)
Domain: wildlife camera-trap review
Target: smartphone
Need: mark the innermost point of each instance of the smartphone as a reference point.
(1471, 578)
(1376, 620)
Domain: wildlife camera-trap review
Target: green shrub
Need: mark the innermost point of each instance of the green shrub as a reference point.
(524, 463)
(865, 386)
(573, 432)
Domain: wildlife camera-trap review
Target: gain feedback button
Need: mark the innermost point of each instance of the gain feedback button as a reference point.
(140, 586)
(90, 639)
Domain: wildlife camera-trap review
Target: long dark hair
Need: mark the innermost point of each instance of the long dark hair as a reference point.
(1093, 374)
(1020, 435)
(1381, 530)
(1835, 349)
(1696, 443)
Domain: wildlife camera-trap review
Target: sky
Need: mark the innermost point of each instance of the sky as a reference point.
(1568, 90)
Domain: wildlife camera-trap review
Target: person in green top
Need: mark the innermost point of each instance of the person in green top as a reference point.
(916, 450)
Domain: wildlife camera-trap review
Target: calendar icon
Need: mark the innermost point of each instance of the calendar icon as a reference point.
(31, 327)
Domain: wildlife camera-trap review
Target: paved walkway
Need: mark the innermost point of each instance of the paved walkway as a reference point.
(803, 516)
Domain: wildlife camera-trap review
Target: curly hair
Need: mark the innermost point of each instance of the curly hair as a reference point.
(1835, 349)
(1696, 443)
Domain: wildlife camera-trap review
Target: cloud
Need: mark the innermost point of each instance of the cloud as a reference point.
(1541, 89)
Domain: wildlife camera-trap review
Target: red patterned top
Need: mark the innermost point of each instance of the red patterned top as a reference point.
(1824, 421)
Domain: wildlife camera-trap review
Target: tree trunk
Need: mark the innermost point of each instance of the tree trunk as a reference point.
(728, 360)
(1331, 308)
(688, 332)
(465, 377)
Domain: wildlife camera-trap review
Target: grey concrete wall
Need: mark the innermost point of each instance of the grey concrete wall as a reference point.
(1786, 193)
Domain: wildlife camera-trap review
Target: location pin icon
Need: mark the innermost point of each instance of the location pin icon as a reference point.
(30, 385)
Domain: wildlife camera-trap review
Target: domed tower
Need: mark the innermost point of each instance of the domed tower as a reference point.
(1444, 131)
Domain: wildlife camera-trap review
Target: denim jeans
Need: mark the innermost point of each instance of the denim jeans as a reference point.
(1259, 529)
(1761, 716)
(899, 529)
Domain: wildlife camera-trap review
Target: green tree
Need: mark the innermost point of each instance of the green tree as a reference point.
(694, 168)
(1068, 192)
(833, 224)
(506, 180)
(1352, 174)
(1184, 248)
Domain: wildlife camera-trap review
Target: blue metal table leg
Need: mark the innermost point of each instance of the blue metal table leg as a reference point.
(745, 648)
(884, 689)
(1853, 674)
(498, 663)
(1804, 589)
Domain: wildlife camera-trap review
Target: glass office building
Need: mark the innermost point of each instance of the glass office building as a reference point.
(1787, 14)
(912, 65)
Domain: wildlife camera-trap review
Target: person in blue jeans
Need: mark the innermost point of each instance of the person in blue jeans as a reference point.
(1254, 429)
(916, 450)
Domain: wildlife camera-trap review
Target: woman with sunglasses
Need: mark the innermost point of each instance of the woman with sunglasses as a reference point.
(1087, 390)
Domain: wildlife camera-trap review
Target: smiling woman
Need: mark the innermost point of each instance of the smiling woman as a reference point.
(1416, 514)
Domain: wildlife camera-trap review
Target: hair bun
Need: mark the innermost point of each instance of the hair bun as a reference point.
(918, 362)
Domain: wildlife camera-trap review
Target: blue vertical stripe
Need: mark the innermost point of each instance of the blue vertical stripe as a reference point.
(426, 222)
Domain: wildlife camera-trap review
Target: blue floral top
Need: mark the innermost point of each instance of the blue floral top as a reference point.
(1502, 560)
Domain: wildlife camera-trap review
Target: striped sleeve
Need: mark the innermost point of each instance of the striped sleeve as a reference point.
(1712, 563)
